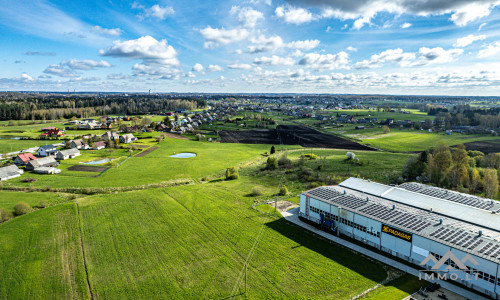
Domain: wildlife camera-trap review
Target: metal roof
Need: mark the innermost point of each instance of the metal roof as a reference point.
(474, 215)
(443, 220)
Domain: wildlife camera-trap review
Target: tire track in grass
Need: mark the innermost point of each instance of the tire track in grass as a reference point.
(89, 289)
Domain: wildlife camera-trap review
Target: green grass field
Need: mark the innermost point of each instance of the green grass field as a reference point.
(418, 141)
(40, 256)
(397, 289)
(8, 199)
(193, 240)
(155, 167)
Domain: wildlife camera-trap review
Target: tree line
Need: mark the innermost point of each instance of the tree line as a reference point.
(56, 107)
(466, 171)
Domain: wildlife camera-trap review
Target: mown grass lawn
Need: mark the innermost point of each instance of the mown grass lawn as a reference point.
(155, 167)
(192, 241)
(40, 256)
(10, 145)
(418, 141)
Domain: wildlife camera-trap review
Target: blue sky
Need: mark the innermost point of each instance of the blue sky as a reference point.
(448, 47)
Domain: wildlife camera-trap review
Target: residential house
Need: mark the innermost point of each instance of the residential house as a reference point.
(79, 144)
(45, 129)
(48, 161)
(106, 126)
(23, 158)
(10, 172)
(67, 154)
(46, 150)
(127, 138)
(53, 132)
(110, 135)
(99, 145)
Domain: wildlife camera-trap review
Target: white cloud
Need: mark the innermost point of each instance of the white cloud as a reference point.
(66, 68)
(215, 36)
(391, 55)
(406, 25)
(472, 12)
(274, 61)
(438, 55)
(105, 31)
(265, 44)
(326, 61)
(362, 11)
(237, 65)
(155, 11)
(247, 16)
(352, 49)
(294, 15)
(118, 76)
(493, 49)
(214, 68)
(60, 71)
(86, 64)
(146, 48)
(40, 53)
(26, 77)
(156, 70)
(197, 67)
(360, 23)
(303, 45)
(481, 26)
(467, 40)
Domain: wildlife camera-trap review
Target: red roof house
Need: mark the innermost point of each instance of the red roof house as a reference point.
(24, 158)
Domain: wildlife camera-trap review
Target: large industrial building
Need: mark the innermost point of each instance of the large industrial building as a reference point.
(446, 233)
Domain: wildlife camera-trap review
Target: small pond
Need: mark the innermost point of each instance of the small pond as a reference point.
(10, 138)
(183, 155)
(96, 162)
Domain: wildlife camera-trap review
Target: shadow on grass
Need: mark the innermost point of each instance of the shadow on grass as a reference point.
(360, 264)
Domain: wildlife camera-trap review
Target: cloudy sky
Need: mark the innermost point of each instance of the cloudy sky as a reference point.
(435, 47)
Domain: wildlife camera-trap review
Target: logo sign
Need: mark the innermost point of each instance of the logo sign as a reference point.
(452, 257)
(396, 232)
(451, 272)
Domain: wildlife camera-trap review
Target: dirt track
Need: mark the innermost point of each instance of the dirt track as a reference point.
(291, 135)
(146, 152)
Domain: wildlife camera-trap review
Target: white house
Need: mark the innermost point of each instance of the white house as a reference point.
(127, 138)
(67, 154)
(46, 150)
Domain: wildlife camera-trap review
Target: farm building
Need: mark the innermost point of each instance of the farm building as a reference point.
(46, 150)
(48, 161)
(79, 144)
(442, 232)
(110, 135)
(23, 158)
(67, 154)
(9, 172)
(127, 138)
(99, 145)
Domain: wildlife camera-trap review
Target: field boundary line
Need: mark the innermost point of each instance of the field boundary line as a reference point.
(91, 296)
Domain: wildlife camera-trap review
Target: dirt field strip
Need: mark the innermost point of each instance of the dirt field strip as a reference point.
(87, 168)
(174, 136)
(146, 152)
(291, 135)
(486, 147)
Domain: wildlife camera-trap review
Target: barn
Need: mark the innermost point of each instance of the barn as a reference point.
(442, 232)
